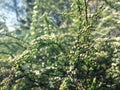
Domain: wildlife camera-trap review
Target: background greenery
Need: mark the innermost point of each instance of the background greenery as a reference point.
(62, 45)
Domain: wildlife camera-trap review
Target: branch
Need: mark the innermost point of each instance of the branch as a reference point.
(7, 53)
(111, 5)
(14, 37)
(86, 12)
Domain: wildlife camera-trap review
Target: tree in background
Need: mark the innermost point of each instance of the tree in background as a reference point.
(67, 48)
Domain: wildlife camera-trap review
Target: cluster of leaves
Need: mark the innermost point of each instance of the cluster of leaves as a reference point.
(65, 50)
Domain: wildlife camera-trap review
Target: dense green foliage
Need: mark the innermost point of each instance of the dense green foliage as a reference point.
(70, 45)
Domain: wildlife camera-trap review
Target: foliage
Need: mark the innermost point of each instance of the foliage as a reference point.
(68, 47)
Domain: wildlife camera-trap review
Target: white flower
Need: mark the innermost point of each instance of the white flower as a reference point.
(37, 72)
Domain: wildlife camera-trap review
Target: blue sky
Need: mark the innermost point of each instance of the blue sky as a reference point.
(9, 13)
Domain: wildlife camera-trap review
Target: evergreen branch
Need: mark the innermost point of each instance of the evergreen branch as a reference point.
(111, 5)
(14, 38)
(1, 52)
(8, 43)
